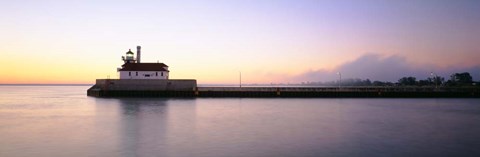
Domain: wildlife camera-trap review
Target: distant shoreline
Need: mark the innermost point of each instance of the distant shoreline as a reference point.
(46, 84)
(199, 85)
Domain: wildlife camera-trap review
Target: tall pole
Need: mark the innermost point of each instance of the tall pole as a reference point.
(434, 78)
(339, 82)
(240, 79)
(138, 54)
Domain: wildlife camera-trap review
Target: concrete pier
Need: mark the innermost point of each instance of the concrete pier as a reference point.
(142, 88)
(345, 92)
(188, 88)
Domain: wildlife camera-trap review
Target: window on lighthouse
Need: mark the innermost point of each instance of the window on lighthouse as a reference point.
(129, 73)
(129, 55)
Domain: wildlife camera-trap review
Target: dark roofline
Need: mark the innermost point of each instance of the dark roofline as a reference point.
(144, 67)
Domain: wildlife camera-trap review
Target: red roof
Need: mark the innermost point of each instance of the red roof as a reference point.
(143, 67)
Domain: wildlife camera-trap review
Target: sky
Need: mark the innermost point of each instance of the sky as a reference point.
(268, 41)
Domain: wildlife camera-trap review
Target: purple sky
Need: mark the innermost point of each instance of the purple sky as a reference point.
(269, 41)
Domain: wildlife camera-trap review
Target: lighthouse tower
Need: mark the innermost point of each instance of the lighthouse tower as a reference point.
(128, 58)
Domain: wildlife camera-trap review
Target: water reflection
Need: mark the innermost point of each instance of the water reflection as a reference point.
(59, 121)
(149, 127)
(286, 127)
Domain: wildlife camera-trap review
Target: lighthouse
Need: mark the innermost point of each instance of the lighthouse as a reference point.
(134, 69)
(128, 58)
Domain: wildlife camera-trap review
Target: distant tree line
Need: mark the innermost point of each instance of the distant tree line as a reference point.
(457, 79)
(351, 82)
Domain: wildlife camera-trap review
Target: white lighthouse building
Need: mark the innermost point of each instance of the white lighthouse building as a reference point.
(133, 69)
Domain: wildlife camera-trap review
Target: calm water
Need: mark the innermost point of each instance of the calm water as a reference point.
(63, 121)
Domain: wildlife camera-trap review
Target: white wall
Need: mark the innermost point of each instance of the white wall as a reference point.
(143, 75)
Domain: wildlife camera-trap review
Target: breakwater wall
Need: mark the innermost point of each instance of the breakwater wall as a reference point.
(141, 87)
(188, 90)
(342, 92)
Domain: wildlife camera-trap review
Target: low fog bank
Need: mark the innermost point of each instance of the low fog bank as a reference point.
(390, 68)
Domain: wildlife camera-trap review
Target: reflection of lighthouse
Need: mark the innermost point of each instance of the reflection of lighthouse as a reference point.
(144, 125)
(152, 127)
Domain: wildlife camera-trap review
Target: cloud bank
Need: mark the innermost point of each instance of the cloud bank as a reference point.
(389, 68)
